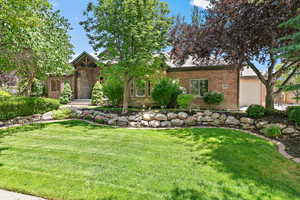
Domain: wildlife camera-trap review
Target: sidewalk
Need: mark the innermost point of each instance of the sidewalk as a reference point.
(6, 195)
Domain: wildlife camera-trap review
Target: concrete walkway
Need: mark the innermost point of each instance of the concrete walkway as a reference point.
(81, 102)
(6, 195)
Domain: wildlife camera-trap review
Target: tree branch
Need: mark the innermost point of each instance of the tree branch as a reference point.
(284, 68)
(287, 79)
(258, 73)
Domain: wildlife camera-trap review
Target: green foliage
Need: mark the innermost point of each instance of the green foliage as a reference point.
(213, 98)
(165, 92)
(290, 108)
(131, 32)
(97, 94)
(66, 95)
(38, 88)
(185, 100)
(63, 113)
(4, 94)
(255, 111)
(272, 131)
(12, 107)
(113, 90)
(294, 115)
(34, 40)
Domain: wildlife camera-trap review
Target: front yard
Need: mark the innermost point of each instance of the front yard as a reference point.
(75, 160)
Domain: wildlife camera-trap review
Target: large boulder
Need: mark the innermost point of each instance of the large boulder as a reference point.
(289, 130)
(177, 122)
(165, 124)
(144, 123)
(246, 120)
(232, 121)
(223, 118)
(148, 116)
(207, 113)
(161, 117)
(154, 124)
(134, 124)
(122, 121)
(191, 121)
(215, 115)
(47, 116)
(172, 116)
(99, 117)
(182, 115)
(261, 124)
(132, 117)
(207, 119)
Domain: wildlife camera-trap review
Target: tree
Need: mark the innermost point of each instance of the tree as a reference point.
(242, 33)
(37, 47)
(131, 32)
(97, 94)
(66, 95)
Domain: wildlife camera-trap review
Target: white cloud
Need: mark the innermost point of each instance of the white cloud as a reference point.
(200, 3)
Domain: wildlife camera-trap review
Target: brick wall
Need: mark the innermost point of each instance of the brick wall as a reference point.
(221, 79)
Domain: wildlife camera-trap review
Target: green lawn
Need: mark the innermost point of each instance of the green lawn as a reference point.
(75, 160)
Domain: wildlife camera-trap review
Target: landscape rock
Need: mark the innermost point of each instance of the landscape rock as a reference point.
(133, 124)
(215, 115)
(112, 122)
(171, 116)
(161, 117)
(261, 124)
(207, 119)
(191, 121)
(289, 131)
(132, 117)
(248, 126)
(232, 121)
(182, 115)
(165, 124)
(177, 122)
(246, 120)
(222, 118)
(47, 116)
(122, 121)
(145, 123)
(148, 116)
(154, 124)
(207, 113)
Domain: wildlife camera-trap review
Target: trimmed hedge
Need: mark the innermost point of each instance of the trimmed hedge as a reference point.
(12, 107)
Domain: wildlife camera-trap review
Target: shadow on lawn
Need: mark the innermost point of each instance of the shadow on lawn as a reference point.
(74, 123)
(245, 158)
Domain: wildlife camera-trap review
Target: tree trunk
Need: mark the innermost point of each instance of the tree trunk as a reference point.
(269, 97)
(126, 93)
(29, 87)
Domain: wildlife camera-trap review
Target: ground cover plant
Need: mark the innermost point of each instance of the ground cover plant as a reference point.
(75, 160)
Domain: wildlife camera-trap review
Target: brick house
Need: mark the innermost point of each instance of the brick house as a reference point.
(196, 79)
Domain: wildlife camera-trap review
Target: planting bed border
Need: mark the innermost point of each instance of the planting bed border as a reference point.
(280, 146)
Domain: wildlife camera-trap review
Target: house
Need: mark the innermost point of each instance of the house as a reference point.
(196, 79)
(253, 91)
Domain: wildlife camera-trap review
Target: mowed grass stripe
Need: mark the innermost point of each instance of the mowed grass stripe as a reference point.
(75, 160)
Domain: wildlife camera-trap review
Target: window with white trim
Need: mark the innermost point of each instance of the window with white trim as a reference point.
(198, 87)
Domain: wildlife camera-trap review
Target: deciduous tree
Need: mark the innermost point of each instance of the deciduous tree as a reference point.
(242, 32)
(131, 32)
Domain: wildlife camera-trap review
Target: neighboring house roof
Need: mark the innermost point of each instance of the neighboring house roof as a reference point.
(247, 72)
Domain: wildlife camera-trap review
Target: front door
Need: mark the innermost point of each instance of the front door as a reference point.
(84, 85)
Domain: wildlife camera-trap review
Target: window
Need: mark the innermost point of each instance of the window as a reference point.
(140, 89)
(199, 87)
(55, 85)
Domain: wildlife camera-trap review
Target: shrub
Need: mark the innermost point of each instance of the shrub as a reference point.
(4, 94)
(185, 100)
(213, 98)
(37, 89)
(64, 113)
(12, 107)
(290, 108)
(97, 94)
(66, 95)
(113, 90)
(165, 92)
(255, 111)
(272, 131)
(294, 115)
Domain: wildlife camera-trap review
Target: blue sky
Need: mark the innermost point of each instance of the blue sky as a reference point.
(72, 10)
